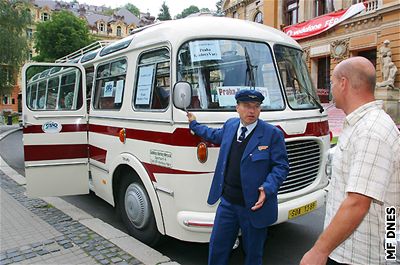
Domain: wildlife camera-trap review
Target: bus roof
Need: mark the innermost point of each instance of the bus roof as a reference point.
(181, 30)
(211, 27)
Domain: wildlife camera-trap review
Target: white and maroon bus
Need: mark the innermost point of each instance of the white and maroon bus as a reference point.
(113, 121)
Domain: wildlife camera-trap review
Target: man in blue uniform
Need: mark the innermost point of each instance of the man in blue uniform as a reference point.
(251, 166)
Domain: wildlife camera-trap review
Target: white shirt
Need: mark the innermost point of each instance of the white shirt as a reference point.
(366, 161)
(249, 127)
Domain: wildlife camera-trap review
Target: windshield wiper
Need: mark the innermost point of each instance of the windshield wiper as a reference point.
(249, 69)
(321, 108)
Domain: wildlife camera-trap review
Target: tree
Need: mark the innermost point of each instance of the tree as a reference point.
(164, 12)
(14, 18)
(63, 34)
(188, 11)
(133, 9)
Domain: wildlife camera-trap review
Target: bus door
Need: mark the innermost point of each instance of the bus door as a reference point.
(55, 129)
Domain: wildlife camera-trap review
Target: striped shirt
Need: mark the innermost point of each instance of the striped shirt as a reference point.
(366, 161)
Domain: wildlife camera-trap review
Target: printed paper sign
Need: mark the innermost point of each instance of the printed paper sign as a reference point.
(118, 91)
(144, 85)
(108, 89)
(205, 50)
(226, 95)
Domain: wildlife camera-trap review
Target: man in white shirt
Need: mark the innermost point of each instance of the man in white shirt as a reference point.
(365, 173)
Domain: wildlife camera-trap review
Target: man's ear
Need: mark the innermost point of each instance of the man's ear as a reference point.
(344, 85)
(237, 106)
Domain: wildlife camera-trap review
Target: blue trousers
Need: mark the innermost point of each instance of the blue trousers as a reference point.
(229, 218)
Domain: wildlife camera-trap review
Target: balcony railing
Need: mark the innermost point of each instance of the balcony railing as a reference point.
(371, 5)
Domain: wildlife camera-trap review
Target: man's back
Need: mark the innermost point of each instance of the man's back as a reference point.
(366, 161)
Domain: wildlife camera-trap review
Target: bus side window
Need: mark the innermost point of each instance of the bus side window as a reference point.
(153, 81)
(70, 96)
(41, 95)
(52, 93)
(109, 85)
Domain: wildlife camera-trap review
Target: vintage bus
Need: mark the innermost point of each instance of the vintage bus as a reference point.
(113, 121)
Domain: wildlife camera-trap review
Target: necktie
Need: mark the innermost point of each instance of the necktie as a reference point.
(243, 134)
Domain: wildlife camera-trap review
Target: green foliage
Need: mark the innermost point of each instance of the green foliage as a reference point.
(14, 18)
(133, 9)
(164, 12)
(188, 11)
(60, 36)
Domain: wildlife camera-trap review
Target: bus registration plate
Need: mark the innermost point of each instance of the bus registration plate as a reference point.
(302, 210)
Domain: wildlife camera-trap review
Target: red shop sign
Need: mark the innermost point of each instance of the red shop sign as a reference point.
(322, 23)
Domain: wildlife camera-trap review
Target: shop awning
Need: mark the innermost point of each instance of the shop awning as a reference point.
(322, 23)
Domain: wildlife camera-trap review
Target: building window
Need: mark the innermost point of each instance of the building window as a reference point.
(292, 12)
(259, 18)
(323, 79)
(319, 7)
(6, 99)
(119, 31)
(235, 14)
(29, 33)
(45, 16)
(101, 27)
(370, 55)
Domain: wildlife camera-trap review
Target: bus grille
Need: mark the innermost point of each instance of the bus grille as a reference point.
(304, 161)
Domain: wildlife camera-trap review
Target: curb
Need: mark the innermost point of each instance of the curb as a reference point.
(132, 246)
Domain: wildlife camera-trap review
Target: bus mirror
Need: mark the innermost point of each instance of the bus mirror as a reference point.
(182, 95)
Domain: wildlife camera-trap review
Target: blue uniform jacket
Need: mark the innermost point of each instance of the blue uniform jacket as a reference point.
(264, 163)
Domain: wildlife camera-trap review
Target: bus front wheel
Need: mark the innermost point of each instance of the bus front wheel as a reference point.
(137, 212)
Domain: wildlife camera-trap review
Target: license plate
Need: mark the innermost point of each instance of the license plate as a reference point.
(302, 210)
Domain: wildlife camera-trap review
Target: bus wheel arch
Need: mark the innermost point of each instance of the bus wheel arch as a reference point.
(134, 205)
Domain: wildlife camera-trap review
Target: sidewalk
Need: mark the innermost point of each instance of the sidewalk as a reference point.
(52, 231)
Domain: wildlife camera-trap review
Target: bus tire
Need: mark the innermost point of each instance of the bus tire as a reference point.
(136, 211)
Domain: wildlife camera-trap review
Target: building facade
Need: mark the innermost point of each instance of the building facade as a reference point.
(105, 27)
(363, 34)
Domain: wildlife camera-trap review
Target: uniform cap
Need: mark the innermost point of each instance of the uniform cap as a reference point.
(248, 96)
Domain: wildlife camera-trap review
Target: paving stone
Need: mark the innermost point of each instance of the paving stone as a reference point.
(13, 254)
(110, 255)
(6, 261)
(68, 245)
(22, 249)
(43, 252)
(48, 242)
(104, 262)
(122, 263)
(18, 259)
(12, 250)
(3, 257)
(94, 253)
(34, 245)
(116, 259)
(99, 257)
(30, 255)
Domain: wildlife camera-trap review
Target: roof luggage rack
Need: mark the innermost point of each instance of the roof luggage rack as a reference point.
(76, 54)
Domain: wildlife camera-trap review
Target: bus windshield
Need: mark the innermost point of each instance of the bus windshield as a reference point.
(296, 80)
(217, 69)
